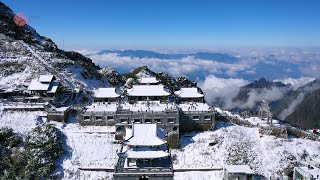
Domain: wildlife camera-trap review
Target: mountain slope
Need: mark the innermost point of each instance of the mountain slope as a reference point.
(307, 113)
(286, 105)
(259, 85)
(30, 54)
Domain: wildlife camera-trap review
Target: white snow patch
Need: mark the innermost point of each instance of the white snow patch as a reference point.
(21, 122)
(268, 156)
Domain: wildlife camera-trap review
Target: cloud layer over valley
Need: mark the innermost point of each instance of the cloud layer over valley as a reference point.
(221, 79)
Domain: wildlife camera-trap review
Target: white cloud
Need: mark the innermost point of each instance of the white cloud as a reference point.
(220, 89)
(291, 107)
(86, 51)
(296, 83)
(174, 67)
(311, 70)
(223, 91)
(255, 97)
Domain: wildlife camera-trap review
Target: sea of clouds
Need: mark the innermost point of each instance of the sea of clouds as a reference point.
(222, 81)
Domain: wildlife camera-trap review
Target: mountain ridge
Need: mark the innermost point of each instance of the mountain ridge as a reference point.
(220, 57)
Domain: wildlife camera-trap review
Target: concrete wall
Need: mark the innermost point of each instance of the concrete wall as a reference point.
(136, 176)
(126, 118)
(203, 116)
(112, 118)
(234, 176)
(189, 124)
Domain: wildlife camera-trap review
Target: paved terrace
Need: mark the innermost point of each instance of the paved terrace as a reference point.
(140, 106)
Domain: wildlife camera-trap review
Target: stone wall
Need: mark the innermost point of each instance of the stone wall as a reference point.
(149, 175)
(187, 124)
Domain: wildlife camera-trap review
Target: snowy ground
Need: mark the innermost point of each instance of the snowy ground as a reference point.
(92, 146)
(21, 122)
(197, 175)
(88, 147)
(267, 156)
(253, 120)
(260, 122)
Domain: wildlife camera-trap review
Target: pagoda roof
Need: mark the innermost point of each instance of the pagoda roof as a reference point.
(148, 90)
(188, 93)
(144, 135)
(145, 153)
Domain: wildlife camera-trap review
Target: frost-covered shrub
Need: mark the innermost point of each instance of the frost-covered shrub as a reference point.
(44, 146)
(173, 140)
(12, 157)
(9, 68)
(32, 157)
(243, 151)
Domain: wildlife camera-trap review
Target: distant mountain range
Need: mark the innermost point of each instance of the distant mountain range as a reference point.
(220, 64)
(259, 86)
(220, 57)
(300, 107)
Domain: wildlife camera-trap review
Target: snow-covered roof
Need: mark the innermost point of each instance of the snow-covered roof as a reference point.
(188, 93)
(314, 171)
(53, 87)
(31, 98)
(144, 135)
(149, 80)
(106, 93)
(45, 78)
(195, 106)
(101, 107)
(146, 90)
(36, 85)
(145, 153)
(145, 106)
(239, 169)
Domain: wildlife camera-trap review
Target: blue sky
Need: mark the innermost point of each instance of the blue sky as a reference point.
(147, 24)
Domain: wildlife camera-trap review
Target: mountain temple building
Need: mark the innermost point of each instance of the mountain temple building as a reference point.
(148, 102)
(239, 172)
(144, 155)
(106, 95)
(45, 85)
(147, 92)
(148, 81)
(189, 95)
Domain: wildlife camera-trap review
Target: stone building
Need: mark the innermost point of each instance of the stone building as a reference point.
(45, 85)
(144, 155)
(306, 173)
(194, 109)
(238, 172)
(148, 104)
(147, 92)
(106, 95)
(148, 81)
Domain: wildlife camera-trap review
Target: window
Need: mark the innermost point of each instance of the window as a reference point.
(98, 118)
(207, 118)
(109, 118)
(158, 120)
(171, 120)
(136, 120)
(124, 120)
(144, 177)
(147, 120)
(175, 128)
(119, 129)
(196, 118)
(87, 118)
